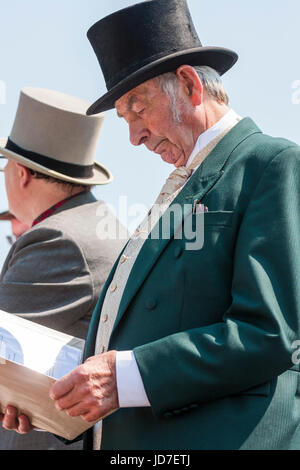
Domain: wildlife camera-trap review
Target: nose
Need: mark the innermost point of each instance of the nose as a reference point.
(138, 134)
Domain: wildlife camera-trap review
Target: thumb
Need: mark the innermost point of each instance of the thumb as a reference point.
(62, 387)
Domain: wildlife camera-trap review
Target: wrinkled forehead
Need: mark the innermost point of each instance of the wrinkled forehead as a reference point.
(140, 93)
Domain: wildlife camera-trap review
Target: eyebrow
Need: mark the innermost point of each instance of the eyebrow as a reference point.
(132, 99)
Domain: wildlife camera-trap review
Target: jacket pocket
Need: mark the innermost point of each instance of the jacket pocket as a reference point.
(208, 221)
(218, 218)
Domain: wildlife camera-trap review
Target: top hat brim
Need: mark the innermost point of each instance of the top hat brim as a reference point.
(100, 174)
(218, 58)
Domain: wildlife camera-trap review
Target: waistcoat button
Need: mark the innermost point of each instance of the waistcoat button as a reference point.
(113, 287)
(150, 304)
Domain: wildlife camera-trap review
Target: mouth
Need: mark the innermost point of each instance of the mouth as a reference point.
(166, 153)
(156, 148)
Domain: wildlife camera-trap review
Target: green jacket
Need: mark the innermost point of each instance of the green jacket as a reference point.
(213, 329)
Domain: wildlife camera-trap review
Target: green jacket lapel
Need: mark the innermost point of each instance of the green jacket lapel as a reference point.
(198, 185)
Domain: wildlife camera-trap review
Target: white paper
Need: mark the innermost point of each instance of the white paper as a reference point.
(39, 348)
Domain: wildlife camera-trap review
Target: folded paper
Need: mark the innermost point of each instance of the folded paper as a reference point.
(32, 358)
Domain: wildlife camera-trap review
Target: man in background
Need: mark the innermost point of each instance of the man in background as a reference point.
(55, 271)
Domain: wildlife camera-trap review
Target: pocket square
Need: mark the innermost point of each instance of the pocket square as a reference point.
(199, 208)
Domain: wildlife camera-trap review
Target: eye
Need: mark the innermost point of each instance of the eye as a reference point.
(141, 112)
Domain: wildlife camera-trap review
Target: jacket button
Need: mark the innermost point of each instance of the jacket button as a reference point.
(186, 408)
(150, 304)
(124, 258)
(178, 252)
(193, 406)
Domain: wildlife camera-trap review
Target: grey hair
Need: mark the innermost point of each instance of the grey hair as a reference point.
(168, 83)
(209, 78)
(213, 84)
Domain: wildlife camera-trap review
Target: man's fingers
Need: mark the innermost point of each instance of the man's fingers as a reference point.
(10, 418)
(79, 409)
(24, 425)
(95, 415)
(62, 386)
(75, 396)
(90, 417)
(12, 422)
(90, 390)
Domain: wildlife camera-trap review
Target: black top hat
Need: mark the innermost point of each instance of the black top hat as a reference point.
(146, 40)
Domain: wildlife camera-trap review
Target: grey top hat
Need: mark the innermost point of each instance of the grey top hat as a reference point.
(52, 135)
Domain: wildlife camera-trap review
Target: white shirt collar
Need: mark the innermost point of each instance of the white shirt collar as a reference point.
(230, 117)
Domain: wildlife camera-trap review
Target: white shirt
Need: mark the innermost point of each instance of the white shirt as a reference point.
(130, 386)
(207, 136)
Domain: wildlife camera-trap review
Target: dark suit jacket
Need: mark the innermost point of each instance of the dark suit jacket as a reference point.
(213, 329)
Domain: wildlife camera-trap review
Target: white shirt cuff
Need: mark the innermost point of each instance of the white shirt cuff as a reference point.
(130, 386)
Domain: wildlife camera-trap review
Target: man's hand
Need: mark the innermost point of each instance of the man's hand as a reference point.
(12, 422)
(90, 390)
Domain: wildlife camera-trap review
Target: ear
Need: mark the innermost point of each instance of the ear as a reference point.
(24, 175)
(191, 84)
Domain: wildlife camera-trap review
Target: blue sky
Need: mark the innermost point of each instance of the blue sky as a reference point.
(44, 44)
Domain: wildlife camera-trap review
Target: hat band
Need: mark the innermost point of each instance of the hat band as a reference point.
(68, 169)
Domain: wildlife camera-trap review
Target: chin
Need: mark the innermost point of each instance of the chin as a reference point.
(169, 159)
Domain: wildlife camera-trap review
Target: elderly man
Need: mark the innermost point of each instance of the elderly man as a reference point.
(191, 344)
(54, 273)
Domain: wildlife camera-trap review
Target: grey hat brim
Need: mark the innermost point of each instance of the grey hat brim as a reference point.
(101, 175)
